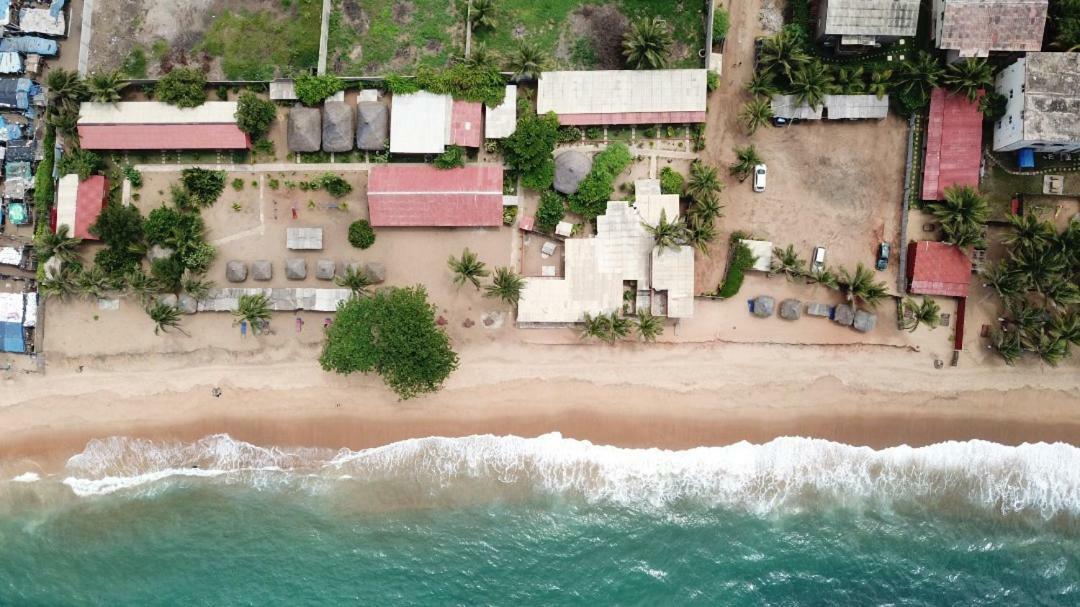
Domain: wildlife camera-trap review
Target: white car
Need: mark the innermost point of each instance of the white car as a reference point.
(759, 178)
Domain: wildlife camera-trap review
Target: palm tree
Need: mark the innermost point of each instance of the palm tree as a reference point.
(700, 232)
(1061, 292)
(649, 327)
(707, 207)
(95, 282)
(811, 82)
(59, 283)
(761, 85)
(480, 56)
(861, 286)
(850, 80)
(782, 53)
(746, 159)
(196, 286)
(879, 83)
(59, 244)
(646, 44)
(962, 215)
(1029, 231)
(969, 77)
(255, 310)
(467, 269)
(667, 234)
(66, 87)
(917, 76)
(1067, 326)
(142, 285)
(527, 61)
(618, 327)
(594, 326)
(607, 327)
(65, 120)
(355, 280)
(928, 313)
(165, 317)
(1007, 344)
(824, 277)
(1050, 348)
(703, 181)
(1004, 280)
(755, 114)
(1039, 266)
(506, 285)
(105, 87)
(482, 14)
(787, 261)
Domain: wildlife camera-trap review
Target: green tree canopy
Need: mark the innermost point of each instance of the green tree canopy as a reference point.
(182, 87)
(255, 115)
(528, 151)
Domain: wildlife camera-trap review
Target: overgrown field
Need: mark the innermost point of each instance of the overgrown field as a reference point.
(252, 44)
(372, 37)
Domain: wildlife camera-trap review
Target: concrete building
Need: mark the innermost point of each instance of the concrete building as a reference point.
(153, 125)
(623, 96)
(974, 28)
(1043, 111)
(953, 144)
(78, 203)
(420, 195)
(860, 23)
(425, 123)
(621, 258)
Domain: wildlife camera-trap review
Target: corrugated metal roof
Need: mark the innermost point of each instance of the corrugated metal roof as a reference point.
(622, 91)
(872, 17)
(41, 21)
(304, 239)
(420, 123)
(953, 144)
(163, 137)
(156, 112)
(856, 107)
(937, 268)
(976, 27)
(501, 121)
(633, 118)
(465, 121)
(784, 106)
(421, 195)
(79, 204)
(10, 62)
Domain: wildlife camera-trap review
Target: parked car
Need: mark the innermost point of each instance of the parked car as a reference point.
(817, 261)
(759, 178)
(780, 121)
(883, 256)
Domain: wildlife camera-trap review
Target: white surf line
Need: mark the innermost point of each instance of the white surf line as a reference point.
(324, 35)
(84, 36)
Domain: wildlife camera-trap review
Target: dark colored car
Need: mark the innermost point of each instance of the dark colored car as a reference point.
(883, 256)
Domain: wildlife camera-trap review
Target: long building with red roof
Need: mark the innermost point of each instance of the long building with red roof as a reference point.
(149, 125)
(419, 195)
(953, 144)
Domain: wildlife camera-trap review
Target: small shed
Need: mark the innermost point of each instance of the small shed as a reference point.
(337, 127)
(785, 106)
(856, 107)
(305, 129)
(372, 125)
(304, 239)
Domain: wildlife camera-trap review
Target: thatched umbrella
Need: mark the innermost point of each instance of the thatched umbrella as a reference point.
(845, 315)
(864, 321)
(372, 125)
(570, 168)
(764, 306)
(791, 309)
(305, 129)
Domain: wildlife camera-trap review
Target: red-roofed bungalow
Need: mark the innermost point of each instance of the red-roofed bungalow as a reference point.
(938, 268)
(419, 195)
(465, 127)
(953, 144)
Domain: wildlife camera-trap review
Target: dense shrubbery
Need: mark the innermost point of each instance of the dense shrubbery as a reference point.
(43, 180)
(313, 90)
(182, 87)
(334, 184)
(80, 162)
(483, 84)
(120, 228)
(742, 259)
(452, 158)
(528, 151)
(551, 211)
(595, 190)
(203, 186)
(671, 181)
(721, 23)
(255, 115)
(392, 333)
(361, 234)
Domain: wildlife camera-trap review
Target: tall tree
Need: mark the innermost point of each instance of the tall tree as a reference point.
(761, 85)
(879, 83)
(165, 318)
(860, 286)
(356, 280)
(787, 262)
(919, 75)
(756, 114)
(707, 207)
(928, 313)
(969, 77)
(506, 285)
(704, 181)
(745, 160)
(66, 88)
(527, 61)
(646, 44)
(60, 244)
(468, 268)
(811, 82)
(649, 327)
(700, 232)
(105, 87)
(782, 53)
(962, 215)
(255, 310)
(667, 234)
(482, 14)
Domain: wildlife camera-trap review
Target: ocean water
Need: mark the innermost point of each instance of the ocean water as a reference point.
(544, 521)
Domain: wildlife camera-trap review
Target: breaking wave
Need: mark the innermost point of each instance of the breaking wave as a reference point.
(785, 473)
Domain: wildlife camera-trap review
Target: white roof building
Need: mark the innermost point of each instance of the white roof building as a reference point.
(501, 121)
(856, 107)
(868, 22)
(41, 21)
(763, 252)
(784, 106)
(420, 123)
(156, 112)
(600, 269)
(1043, 107)
(624, 96)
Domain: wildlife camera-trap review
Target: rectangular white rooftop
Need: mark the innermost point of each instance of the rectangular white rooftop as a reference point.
(304, 239)
(784, 106)
(856, 107)
(622, 91)
(501, 121)
(156, 112)
(41, 21)
(420, 123)
(763, 253)
(67, 194)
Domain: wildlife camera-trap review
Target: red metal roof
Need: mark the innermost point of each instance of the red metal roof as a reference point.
(633, 118)
(163, 137)
(88, 203)
(953, 144)
(937, 268)
(420, 195)
(465, 127)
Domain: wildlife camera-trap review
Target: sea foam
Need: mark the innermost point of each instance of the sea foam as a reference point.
(784, 473)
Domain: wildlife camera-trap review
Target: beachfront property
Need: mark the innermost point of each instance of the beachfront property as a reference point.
(953, 152)
(857, 24)
(975, 28)
(620, 269)
(425, 123)
(153, 125)
(942, 270)
(420, 195)
(833, 107)
(609, 97)
(1043, 109)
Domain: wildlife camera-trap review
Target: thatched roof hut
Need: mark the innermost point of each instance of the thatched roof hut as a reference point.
(372, 125)
(305, 129)
(570, 168)
(864, 321)
(764, 306)
(791, 309)
(295, 268)
(236, 271)
(337, 127)
(262, 270)
(845, 315)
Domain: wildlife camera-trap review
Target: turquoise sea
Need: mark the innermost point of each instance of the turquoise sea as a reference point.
(544, 521)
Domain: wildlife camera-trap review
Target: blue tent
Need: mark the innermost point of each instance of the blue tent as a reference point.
(1026, 158)
(29, 44)
(11, 337)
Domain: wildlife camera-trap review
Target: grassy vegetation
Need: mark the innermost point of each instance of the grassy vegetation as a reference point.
(252, 44)
(999, 187)
(400, 35)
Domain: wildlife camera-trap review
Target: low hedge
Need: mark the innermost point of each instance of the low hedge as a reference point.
(742, 259)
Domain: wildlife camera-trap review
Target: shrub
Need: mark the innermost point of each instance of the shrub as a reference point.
(197, 256)
(551, 211)
(569, 134)
(528, 150)
(169, 272)
(134, 176)
(452, 158)
(671, 181)
(134, 65)
(119, 226)
(711, 81)
(182, 87)
(595, 133)
(334, 184)
(116, 261)
(483, 84)
(255, 115)
(361, 234)
(203, 185)
(238, 184)
(273, 184)
(742, 259)
(721, 23)
(595, 190)
(43, 179)
(392, 333)
(83, 163)
(509, 215)
(313, 90)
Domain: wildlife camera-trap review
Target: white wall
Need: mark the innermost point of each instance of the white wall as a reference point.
(1009, 129)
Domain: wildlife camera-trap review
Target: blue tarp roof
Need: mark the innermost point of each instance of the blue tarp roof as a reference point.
(15, 92)
(56, 7)
(29, 44)
(1027, 158)
(11, 337)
